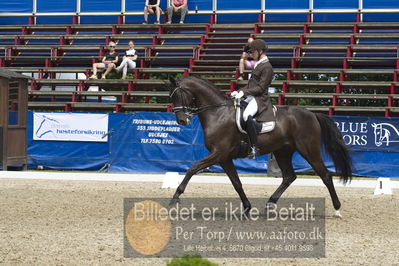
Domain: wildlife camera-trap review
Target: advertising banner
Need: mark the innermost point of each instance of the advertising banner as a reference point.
(70, 127)
(153, 142)
(369, 133)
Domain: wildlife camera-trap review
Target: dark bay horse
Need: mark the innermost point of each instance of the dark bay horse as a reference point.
(297, 129)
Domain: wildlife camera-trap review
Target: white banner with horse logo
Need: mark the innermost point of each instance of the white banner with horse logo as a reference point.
(70, 127)
(385, 133)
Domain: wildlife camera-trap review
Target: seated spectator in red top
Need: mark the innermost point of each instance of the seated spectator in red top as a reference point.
(177, 7)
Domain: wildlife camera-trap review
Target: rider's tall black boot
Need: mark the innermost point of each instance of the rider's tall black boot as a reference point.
(253, 137)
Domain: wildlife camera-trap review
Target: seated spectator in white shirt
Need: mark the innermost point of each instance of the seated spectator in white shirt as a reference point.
(129, 60)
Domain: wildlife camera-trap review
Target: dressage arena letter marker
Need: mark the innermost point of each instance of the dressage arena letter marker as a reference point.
(383, 187)
(171, 180)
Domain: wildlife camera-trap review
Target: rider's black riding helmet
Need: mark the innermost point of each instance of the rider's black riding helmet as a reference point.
(258, 45)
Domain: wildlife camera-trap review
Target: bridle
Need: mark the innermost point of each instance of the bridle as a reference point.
(190, 111)
(187, 110)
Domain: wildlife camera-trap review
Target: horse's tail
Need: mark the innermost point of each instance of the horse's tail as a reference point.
(335, 146)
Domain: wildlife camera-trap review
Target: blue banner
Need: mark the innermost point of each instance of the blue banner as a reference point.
(155, 143)
(100, 6)
(319, 4)
(380, 4)
(56, 6)
(12, 118)
(370, 134)
(16, 6)
(115, 6)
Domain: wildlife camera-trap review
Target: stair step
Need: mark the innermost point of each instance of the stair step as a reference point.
(225, 73)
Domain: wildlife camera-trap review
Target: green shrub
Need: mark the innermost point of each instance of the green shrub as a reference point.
(195, 260)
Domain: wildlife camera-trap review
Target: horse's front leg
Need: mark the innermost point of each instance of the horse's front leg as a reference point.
(209, 160)
(284, 161)
(231, 172)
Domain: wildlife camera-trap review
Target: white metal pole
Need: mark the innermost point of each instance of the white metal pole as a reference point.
(311, 7)
(214, 8)
(78, 9)
(32, 20)
(123, 5)
(123, 10)
(361, 9)
(263, 7)
(34, 6)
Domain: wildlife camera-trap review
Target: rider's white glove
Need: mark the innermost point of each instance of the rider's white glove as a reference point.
(237, 94)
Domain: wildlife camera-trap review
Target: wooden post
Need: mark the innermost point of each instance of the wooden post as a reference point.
(213, 19)
(23, 102)
(260, 17)
(75, 20)
(4, 83)
(281, 99)
(121, 20)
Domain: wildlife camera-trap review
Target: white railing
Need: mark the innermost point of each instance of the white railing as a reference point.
(213, 13)
(208, 12)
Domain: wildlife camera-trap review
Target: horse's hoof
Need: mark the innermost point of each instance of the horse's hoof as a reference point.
(337, 214)
(246, 211)
(173, 202)
(270, 209)
(270, 206)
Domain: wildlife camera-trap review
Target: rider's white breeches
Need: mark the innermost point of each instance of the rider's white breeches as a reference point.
(251, 109)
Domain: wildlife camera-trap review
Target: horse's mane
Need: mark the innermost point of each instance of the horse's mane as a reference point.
(209, 84)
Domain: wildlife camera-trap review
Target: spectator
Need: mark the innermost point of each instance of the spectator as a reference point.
(177, 7)
(129, 60)
(108, 62)
(246, 61)
(152, 7)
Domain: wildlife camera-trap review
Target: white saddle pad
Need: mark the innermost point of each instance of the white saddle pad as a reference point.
(266, 126)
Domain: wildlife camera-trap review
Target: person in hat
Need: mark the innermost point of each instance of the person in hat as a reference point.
(257, 94)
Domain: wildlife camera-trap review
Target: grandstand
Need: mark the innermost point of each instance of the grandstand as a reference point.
(348, 67)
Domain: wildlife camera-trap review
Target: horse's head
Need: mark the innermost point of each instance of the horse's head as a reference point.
(183, 102)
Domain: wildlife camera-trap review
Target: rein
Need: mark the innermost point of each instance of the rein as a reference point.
(196, 110)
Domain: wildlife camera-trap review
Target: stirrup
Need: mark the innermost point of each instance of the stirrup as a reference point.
(253, 153)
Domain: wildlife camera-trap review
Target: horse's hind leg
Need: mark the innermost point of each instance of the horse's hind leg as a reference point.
(284, 161)
(231, 172)
(209, 160)
(315, 160)
(322, 171)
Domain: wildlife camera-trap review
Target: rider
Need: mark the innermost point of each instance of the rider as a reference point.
(257, 93)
